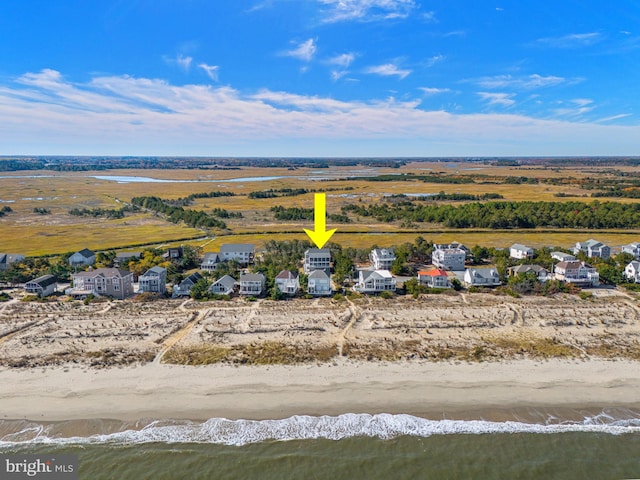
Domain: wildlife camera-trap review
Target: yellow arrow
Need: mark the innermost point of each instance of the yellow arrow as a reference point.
(320, 235)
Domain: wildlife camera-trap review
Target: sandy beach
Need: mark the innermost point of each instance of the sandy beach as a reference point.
(434, 390)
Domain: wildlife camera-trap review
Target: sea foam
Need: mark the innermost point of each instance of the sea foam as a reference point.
(302, 427)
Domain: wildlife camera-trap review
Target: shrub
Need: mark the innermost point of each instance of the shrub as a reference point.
(386, 294)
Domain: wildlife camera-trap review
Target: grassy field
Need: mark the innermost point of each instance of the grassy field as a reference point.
(24, 231)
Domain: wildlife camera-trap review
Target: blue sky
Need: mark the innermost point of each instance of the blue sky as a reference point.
(320, 77)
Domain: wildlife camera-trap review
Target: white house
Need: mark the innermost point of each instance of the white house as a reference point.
(317, 259)
(593, 248)
(83, 258)
(252, 284)
(563, 257)
(382, 258)
(481, 277)
(319, 283)
(520, 252)
(183, 289)
(633, 248)
(242, 252)
(210, 262)
(153, 280)
(42, 286)
(577, 272)
(375, 281)
(541, 273)
(449, 257)
(437, 278)
(632, 271)
(288, 282)
(224, 285)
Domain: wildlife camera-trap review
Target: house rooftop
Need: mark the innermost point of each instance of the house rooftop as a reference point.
(252, 277)
(44, 281)
(519, 246)
(155, 270)
(318, 274)
(324, 252)
(228, 281)
(105, 272)
(572, 264)
(237, 247)
(433, 273)
(86, 253)
(287, 275)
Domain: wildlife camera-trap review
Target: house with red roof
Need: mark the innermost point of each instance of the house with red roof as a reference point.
(436, 278)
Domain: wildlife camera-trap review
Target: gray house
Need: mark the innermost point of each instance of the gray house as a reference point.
(542, 274)
(481, 277)
(211, 261)
(317, 259)
(593, 248)
(319, 283)
(42, 286)
(563, 257)
(242, 252)
(224, 286)
(83, 258)
(183, 289)
(154, 280)
(6, 259)
(252, 284)
(449, 257)
(111, 282)
(633, 248)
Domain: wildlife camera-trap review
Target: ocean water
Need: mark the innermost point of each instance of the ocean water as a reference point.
(351, 446)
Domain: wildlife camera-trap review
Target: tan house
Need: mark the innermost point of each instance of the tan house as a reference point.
(109, 282)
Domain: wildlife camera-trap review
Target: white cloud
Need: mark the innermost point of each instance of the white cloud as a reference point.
(582, 102)
(388, 70)
(304, 51)
(435, 59)
(45, 113)
(342, 60)
(210, 70)
(572, 40)
(525, 82)
(180, 61)
(366, 10)
(433, 90)
(503, 99)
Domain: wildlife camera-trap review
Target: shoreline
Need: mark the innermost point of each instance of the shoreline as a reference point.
(499, 391)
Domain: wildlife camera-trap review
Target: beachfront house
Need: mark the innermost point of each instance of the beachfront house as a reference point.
(520, 252)
(375, 281)
(242, 252)
(632, 271)
(83, 258)
(481, 277)
(6, 259)
(592, 249)
(224, 285)
(382, 258)
(109, 282)
(436, 278)
(319, 283)
(288, 282)
(449, 257)
(317, 259)
(633, 248)
(42, 286)
(541, 273)
(183, 289)
(211, 261)
(153, 280)
(252, 284)
(576, 272)
(563, 257)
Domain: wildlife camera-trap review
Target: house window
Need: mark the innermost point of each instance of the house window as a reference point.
(116, 287)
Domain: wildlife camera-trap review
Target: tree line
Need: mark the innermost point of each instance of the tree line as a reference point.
(506, 215)
(191, 218)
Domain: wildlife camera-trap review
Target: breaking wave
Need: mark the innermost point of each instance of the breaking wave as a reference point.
(301, 427)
